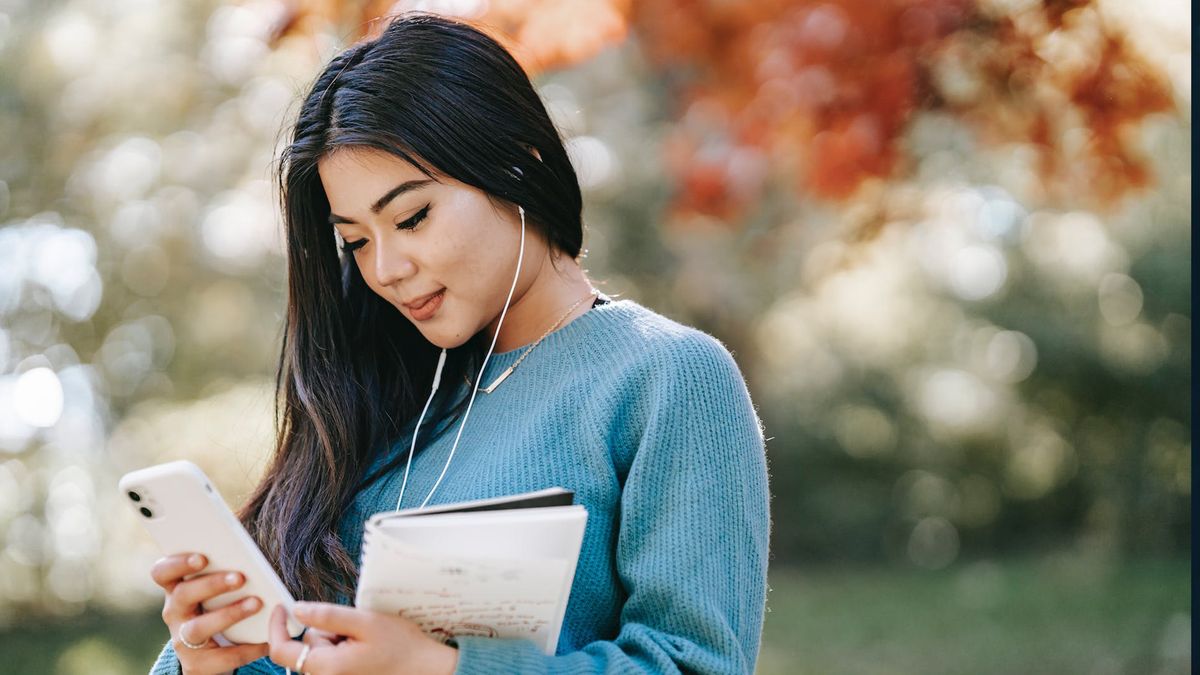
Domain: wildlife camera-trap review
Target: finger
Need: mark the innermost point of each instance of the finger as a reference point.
(203, 627)
(333, 618)
(195, 591)
(183, 602)
(170, 570)
(224, 659)
(283, 649)
(320, 638)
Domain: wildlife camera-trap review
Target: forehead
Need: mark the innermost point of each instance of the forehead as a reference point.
(357, 177)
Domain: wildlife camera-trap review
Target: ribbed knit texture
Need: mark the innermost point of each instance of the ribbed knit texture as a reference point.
(650, 423)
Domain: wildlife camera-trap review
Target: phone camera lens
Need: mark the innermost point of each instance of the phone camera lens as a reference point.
(146, 512)
(135, 496)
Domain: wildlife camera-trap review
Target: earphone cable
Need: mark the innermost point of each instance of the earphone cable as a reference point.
(474, 387)
(437, 379)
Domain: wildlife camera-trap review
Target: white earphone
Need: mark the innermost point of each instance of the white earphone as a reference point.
(437, 378)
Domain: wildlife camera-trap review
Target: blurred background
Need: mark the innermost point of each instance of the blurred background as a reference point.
(947, 241)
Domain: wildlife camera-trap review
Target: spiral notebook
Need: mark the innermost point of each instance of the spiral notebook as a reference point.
(498, 567)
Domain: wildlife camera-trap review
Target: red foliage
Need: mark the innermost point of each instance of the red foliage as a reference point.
(827, 89)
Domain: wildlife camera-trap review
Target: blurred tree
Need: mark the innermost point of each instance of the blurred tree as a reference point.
(819, 94)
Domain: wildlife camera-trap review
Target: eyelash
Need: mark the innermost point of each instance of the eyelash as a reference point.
(407, 224)
(414, 220)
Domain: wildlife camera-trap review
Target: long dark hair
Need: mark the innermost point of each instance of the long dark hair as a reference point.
(449, 99)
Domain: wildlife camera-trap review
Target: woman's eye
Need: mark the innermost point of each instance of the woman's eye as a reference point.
(414, 220)
(352, 246)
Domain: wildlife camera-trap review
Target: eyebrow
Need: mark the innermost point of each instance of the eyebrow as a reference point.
(406, 186)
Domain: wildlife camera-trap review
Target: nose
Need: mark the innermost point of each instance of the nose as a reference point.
(392, 266)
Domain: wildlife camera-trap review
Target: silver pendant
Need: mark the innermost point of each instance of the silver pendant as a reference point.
(496, 383)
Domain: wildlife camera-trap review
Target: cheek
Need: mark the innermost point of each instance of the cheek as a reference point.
(466, 259)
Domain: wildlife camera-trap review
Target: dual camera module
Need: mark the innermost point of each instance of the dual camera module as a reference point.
(143, 510)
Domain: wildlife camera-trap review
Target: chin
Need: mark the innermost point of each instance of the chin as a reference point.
(443, 341)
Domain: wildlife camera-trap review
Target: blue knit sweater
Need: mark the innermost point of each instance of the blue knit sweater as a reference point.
(650, 423)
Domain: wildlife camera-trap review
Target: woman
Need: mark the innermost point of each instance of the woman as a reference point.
(427, 157)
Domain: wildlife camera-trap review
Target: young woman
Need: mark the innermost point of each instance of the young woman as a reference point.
(433, 224)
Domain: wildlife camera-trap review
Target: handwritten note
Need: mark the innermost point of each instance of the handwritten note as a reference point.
(449, 596)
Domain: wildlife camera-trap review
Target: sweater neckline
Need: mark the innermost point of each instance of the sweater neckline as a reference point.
(559, 335)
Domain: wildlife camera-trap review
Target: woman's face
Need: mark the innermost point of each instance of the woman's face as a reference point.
(439, 251)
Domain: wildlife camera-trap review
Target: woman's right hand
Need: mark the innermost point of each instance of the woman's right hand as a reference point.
(185, 618)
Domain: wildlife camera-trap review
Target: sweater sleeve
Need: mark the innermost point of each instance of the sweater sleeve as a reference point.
(166, 663)
(693, 540)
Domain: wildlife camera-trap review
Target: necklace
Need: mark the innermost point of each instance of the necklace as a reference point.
(508, 371)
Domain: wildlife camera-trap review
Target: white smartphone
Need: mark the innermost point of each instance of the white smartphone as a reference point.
(182, 511)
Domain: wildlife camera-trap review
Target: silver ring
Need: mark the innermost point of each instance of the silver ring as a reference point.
(189, 645)
(303, 657)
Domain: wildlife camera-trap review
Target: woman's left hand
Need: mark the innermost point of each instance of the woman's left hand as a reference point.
(348, 640)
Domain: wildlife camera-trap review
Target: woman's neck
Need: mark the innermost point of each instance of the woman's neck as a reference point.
(556, 287)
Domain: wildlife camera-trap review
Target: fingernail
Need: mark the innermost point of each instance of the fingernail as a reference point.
(250, 603)
(195, 561)
(233, 578)
(299, 608)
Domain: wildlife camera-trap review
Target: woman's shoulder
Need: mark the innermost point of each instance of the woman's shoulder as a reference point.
(671, 381)
(633, 334)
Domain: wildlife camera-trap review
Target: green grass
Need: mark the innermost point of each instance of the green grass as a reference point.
(95, 644)
(1050, 615)
(1046, 615)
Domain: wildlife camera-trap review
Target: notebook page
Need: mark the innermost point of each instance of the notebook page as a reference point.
(450, 596)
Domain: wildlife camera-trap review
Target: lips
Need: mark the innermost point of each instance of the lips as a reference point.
(424, 307)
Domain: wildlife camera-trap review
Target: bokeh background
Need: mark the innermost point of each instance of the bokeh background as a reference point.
(948, 242)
